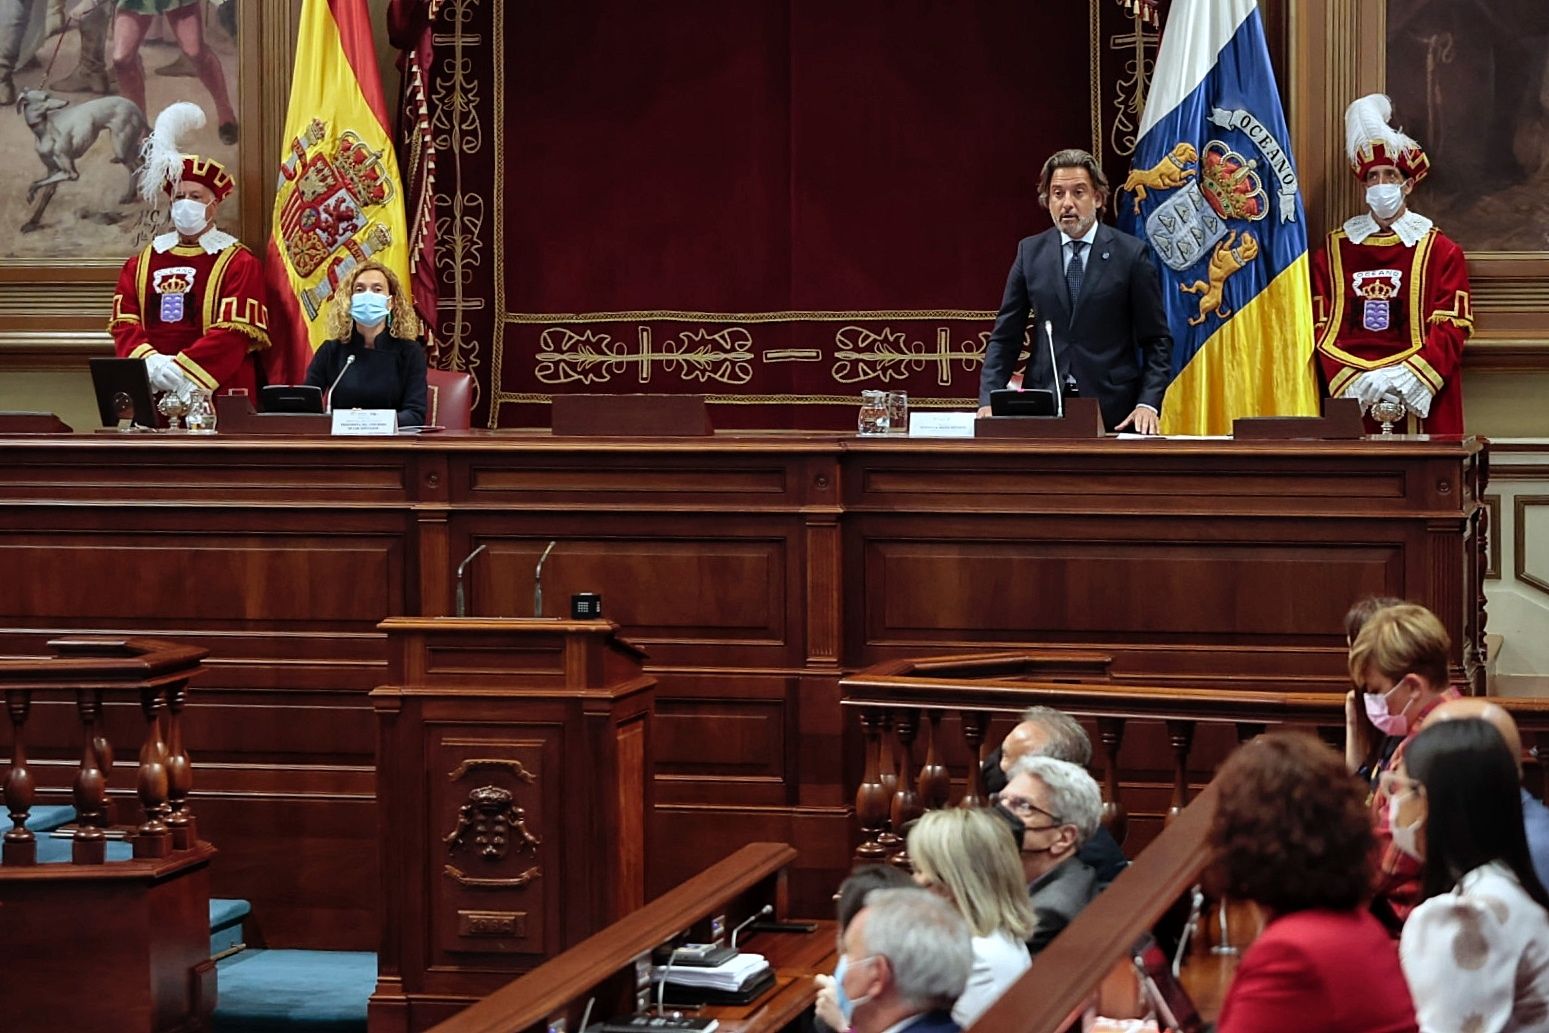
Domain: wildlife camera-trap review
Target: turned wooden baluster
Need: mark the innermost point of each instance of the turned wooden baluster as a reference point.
(935, 785)
(887, 768)
(1181, 735)
(906, 800)
(91, 785)
(180, 772)
(872, 799)
(1110, 733)
(152, 838)
(20, 846)
(974, 724)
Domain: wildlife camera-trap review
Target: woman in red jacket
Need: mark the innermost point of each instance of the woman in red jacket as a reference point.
(1291, 834)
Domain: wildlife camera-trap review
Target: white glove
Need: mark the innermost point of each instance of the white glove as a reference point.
(163, 372)
(1415, 392)
(1367, 388)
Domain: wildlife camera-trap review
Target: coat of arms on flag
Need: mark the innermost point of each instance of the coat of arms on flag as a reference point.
(329, 199)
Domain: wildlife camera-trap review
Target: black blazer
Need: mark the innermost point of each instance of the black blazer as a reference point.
(1116, 343)
(390, 375)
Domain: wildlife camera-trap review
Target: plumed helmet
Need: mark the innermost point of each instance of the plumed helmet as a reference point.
(164, 164)
(1370, 142)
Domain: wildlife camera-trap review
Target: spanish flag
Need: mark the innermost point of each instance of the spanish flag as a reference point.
(338, 198)
(1214, 189)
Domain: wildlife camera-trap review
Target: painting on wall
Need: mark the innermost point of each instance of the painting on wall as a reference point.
(84, 80)
(1470, 80)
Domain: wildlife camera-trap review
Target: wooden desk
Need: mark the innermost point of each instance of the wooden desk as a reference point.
(756, 569)
(603, 967)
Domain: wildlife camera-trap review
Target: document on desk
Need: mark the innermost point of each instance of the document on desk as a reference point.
(732, 974)
(1127, 436)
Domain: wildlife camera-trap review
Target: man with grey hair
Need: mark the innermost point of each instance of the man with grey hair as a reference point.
(904, 959)
(1060, 808)
(1046, 732)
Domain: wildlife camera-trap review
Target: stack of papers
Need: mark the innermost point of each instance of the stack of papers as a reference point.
(733, 974)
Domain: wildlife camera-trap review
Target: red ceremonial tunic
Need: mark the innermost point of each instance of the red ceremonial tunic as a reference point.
(1381, 302)
(206, 310)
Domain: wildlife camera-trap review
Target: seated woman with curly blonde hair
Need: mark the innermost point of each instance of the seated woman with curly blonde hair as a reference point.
(966, 857)
(371, 320)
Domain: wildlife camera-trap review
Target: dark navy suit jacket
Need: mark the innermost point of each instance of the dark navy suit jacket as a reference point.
(1116, 343)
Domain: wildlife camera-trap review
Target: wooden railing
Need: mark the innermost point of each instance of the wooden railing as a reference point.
(603, 968)
(901, 705)
(154, 675)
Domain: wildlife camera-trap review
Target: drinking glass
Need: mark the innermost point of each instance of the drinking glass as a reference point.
(873, 418)
(898, 412)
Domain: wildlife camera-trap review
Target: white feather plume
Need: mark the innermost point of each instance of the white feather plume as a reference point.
(161, 158)
(1366, 122)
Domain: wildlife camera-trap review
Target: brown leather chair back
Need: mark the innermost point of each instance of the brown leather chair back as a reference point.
(448, 399)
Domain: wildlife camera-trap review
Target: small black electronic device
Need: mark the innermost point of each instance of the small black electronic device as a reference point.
(646, 1023)
(123, 391)
(302, 398)
(696, 955)
(1036, 402)
(587, 606)
(1174, 1008)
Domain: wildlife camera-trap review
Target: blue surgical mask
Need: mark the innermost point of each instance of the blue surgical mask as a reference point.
(368, 308)
(846, 1006)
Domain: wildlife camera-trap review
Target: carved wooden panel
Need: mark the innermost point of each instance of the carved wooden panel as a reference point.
(494, 798)
(1530, 520)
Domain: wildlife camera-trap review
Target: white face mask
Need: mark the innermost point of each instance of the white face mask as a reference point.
(1405, 837)
(1385, 199)
(189, 216)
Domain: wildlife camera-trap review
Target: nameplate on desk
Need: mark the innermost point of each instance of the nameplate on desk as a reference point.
(365, 421)
(941, 424)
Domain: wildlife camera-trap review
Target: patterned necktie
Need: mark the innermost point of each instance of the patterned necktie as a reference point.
(1074, 271)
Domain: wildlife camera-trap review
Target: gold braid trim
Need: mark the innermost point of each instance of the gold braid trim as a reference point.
(258, 337)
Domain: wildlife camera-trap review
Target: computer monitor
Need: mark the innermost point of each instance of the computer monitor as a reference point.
(1035, 402)
(302, 398)
(123, 392)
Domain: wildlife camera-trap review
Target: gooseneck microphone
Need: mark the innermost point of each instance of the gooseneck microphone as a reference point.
(661, 988)
(1054, 369)
(767, 909)
(537, 581)
(462, 603)
(348, 362)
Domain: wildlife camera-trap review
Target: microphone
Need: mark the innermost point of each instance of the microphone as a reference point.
(767, 909)
(537, 581)
(661, 987)
(348, 362)
(462, 607)
(1054, 370)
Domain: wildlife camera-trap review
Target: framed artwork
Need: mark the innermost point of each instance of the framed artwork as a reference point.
(1470, 80)
(86, 79)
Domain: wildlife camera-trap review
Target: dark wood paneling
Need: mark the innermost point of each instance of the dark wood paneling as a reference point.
(756, 570)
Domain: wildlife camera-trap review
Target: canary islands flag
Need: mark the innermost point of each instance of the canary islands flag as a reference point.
(1215, 192)
(338, 196)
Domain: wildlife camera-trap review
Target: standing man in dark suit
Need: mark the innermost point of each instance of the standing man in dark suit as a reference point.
(1099, 290)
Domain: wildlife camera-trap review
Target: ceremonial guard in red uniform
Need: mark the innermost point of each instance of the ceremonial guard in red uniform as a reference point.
(1390, 297)
(192, 304)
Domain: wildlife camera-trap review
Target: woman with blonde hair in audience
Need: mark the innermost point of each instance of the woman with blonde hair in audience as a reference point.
(1291, 834)
(1476, 949)
(965, 855)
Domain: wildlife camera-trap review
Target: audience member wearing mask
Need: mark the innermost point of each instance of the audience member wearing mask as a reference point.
(1046, 732)
(1535, 816)
(1292, 835)
(1053, 807)
(903, 961)
(1360, 733)
(1476, 949)
(372, 359)
(832, 1008)
(1399, 664)
(964, 857)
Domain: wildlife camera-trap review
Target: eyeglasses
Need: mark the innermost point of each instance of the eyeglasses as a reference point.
(1024, 808)
(1391, 784)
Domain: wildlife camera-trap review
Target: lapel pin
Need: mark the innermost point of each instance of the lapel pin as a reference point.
(1105, 256)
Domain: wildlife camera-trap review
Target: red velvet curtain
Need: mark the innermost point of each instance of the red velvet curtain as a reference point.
(776, 203)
